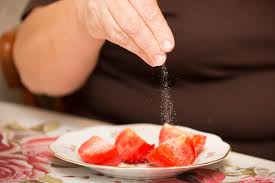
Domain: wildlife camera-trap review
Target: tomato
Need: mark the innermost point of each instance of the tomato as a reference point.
(199, 142)
(132, 148)
(177, 151)
(168, 132)
(100, 152)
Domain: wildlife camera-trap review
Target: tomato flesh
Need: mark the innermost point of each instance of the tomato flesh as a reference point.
(100, 152)
(131, 147)
(168, 132)
(177, 151)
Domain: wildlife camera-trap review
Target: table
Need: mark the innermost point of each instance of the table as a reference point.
(26, 132)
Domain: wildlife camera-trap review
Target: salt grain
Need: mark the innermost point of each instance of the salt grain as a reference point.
(167, 112)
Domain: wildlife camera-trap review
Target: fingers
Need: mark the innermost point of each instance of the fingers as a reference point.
(117, 36)
(135, 28)
(153, 17)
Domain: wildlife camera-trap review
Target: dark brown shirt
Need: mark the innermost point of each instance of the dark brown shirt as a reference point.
(222, 73)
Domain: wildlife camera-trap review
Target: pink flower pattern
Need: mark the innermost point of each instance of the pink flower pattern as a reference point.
(5, 146)
(196, 176)
(37, 146)
(258, 179)
(29, 159)
(203, 176)
(32, 163)
(16, 168)
(209, 176)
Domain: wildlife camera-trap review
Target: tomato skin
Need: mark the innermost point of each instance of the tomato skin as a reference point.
(168, 132)
(100, 152)
(177, 151)
(131, 147)
(199, 142)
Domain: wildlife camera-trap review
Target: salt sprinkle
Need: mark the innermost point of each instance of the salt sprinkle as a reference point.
(167, 112)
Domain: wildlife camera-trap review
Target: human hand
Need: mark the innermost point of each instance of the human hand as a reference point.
(136, 25)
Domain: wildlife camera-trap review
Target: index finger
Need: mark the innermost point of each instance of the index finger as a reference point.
(153, 17)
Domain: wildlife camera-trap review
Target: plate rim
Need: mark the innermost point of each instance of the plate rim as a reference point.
(94, 166)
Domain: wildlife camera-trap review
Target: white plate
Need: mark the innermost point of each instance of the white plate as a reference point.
(66, 146)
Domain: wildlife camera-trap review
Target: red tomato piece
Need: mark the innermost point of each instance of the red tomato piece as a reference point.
(168, 132)
(100, 152)
(177, 151)
(132, 148)
(199, 142)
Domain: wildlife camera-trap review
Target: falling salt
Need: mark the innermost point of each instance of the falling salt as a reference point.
(167, 112)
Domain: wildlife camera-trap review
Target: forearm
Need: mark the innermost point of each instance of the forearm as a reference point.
(53, 52)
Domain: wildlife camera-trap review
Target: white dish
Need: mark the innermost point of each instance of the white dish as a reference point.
(66, 147)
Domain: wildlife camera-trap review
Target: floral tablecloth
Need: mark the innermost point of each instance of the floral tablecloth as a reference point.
(25, 158)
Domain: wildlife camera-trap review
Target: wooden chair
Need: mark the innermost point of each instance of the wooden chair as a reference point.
(13, 80)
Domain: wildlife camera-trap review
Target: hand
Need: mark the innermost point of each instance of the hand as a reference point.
(136, 25)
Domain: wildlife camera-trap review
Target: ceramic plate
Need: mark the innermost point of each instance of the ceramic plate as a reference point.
(66, 147)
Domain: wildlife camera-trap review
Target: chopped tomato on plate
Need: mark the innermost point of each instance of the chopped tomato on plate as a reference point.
(100, 152)
(176, 148)
(168, 132)
(131, 147)
(177, 151)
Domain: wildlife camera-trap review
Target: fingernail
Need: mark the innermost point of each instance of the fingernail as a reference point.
(159, 60)
(167, 45)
